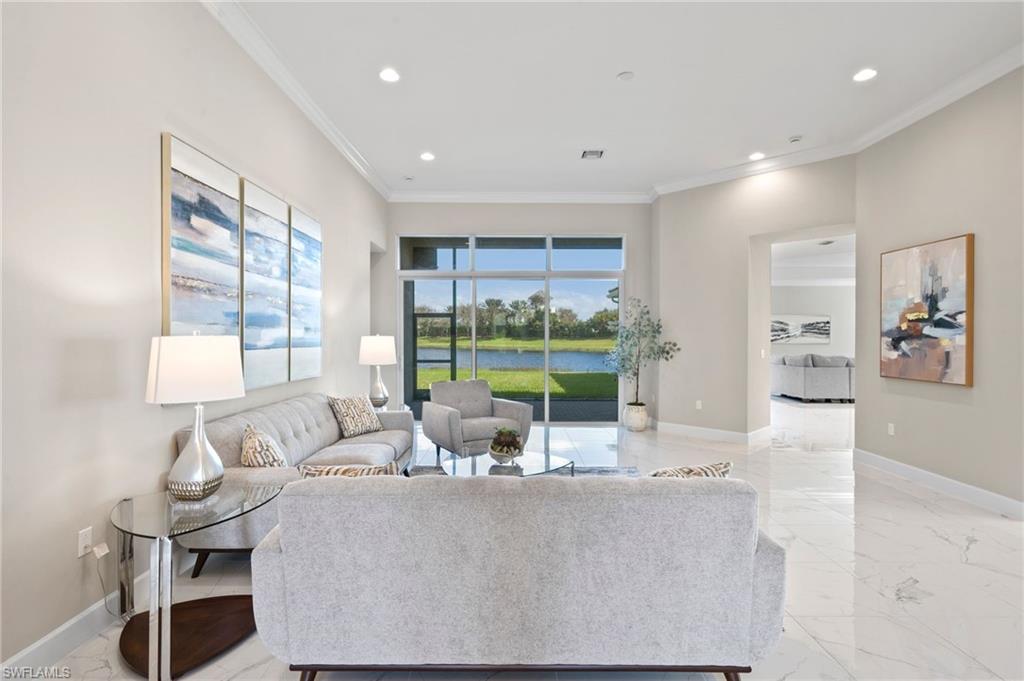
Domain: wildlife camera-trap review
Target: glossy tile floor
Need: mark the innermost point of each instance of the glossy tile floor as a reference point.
(886, 580)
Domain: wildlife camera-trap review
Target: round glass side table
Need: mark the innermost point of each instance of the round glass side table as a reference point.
(169, 640)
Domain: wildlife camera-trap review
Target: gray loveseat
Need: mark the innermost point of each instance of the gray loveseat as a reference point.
(308, 431)
(662, 574)
(813, 377)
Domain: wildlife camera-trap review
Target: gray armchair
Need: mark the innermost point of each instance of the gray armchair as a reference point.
(463, 414)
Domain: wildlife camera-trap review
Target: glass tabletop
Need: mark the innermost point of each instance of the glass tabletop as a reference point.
(161, 515)
(530, 463)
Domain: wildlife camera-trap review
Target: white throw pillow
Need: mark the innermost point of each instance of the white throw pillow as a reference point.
(259, 450)
(355, 415)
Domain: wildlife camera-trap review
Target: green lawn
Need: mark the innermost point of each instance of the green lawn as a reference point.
(530, 382)
(529, 344)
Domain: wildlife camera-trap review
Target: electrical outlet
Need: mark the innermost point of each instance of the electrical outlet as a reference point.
(700, 404)
(84, 541)
(892, 429)
(763, 353)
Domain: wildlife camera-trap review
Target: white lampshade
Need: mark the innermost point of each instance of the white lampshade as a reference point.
(377, 350)
(194, 369)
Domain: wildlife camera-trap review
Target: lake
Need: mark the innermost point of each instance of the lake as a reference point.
(562, 360)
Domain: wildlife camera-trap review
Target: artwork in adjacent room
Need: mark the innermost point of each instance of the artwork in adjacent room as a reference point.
(201, 243)
(306, 287)
(265, 285)
(801, 329)
(927, 312)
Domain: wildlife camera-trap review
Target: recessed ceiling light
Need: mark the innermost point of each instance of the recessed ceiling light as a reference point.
(389, 75)
(864, 75)
(625, 75)
(408, 178)
(756, 156)
(426, 156)
(592, 154)
(826, 242)
(796, 139)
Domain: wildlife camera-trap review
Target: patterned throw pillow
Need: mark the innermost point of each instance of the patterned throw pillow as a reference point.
(347, 471)
(259, 450)
(711, 470)
(355, 415)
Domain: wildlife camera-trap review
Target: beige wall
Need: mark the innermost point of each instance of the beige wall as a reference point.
(87, 91)
(704, 262)
(956, 171)
(631, 220)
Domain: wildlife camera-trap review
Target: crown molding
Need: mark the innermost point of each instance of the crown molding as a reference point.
(961, 87)
(520, 197)
(240, 26)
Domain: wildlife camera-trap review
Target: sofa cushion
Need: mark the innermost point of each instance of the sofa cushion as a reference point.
(353, 471)
(777, 359)
(710, 470)
(483, 428)
(355, 415)
(259, 450)
(343, 453)
(398, 440)
(828, 361)
(471, 398)
(798, 360)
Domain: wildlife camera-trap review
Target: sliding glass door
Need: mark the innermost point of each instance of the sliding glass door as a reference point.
(533, 316)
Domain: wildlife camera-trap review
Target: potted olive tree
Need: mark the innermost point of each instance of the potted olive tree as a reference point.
(637, 345)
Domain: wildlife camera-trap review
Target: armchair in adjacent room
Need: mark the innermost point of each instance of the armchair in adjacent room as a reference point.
(461, 416)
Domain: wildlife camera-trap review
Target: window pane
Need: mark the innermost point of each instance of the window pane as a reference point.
(441, 254)
(511, 253)
(584, 321)
(436, 316)
(586, 253)
(510, 339)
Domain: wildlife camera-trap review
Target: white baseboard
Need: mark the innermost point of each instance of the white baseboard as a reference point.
(990, 501)
(753, 437)
(88, 624)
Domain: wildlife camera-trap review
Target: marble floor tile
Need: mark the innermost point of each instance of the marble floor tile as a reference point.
(886, 580)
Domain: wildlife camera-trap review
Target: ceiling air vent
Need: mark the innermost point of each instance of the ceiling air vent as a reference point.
(592, 154)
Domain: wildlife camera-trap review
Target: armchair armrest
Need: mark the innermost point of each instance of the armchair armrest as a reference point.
(397, 420)
(443, 426)
(518, 411)
(769, 595)
(268, 593)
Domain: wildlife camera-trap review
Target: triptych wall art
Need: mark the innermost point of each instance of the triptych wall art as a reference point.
(238, 260)
(928, 312)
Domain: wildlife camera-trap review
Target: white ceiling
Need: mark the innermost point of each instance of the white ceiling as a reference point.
(508, 95)
(814, 263)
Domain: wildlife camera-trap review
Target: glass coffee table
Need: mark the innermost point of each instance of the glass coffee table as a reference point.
(530, 463)
(169, 640)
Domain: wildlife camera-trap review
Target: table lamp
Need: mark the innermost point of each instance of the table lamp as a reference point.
(377, 351)
(195, 369)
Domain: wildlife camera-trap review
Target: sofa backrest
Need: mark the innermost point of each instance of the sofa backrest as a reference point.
(472, 398)
(301, 425)
(587, 570)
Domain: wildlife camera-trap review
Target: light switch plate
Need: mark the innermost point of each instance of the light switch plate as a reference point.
(700, 404)
(892, 429)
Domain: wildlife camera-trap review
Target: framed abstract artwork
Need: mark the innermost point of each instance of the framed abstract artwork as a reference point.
(801, 329)
(201, 249)
(265, 281)
(306, 292)
(927, 312)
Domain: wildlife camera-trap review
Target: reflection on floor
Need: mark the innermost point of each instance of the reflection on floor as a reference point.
(886, 580)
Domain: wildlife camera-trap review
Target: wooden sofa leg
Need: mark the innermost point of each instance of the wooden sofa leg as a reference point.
(201, 557)
(438, 454)
(732, 676)
(307, 675)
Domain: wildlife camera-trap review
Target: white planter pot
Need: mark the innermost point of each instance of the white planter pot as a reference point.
(634, 417)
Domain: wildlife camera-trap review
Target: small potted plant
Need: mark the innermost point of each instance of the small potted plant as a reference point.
(637, 345)
(506, 445)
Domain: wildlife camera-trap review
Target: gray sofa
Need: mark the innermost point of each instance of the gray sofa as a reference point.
(662, 574)
(308, 431)
(462, 416)
(813, 377)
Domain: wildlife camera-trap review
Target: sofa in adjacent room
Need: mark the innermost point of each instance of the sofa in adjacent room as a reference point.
(546, 572)
(308, 433)
(813, 377)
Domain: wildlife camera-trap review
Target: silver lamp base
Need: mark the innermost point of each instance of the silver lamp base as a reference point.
(378, 393)
(198, 472)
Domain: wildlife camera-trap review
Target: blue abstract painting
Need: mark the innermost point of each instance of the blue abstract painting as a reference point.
(204, 259)
(265, 332)
(306, 277)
